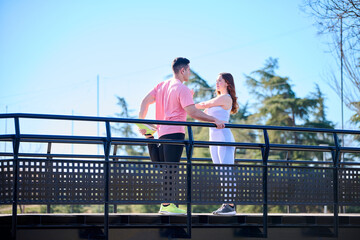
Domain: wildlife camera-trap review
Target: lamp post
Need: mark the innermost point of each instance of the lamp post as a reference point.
(342, 90)
(97, 110)
(341, 77)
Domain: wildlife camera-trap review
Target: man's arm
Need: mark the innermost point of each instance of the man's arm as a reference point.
(222, 101)
(149, 99)
(199, 115)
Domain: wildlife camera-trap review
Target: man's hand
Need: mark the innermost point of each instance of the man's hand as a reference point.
(220, 124)
(142, 131)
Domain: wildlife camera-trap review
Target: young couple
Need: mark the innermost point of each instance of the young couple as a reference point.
(174, 101)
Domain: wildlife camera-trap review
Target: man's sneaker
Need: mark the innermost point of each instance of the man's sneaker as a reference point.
(171, 210)
(225, 209)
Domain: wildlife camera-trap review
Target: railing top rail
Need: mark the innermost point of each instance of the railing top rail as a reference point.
(195, 124)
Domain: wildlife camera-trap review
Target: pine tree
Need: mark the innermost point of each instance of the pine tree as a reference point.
(126, 130)
(279, 105)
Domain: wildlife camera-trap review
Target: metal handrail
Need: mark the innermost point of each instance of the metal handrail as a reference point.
(193, 124)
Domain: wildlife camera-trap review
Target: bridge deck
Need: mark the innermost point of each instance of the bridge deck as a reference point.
(198, 220)
(205, 226)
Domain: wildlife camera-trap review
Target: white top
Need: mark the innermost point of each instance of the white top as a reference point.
(219, 113)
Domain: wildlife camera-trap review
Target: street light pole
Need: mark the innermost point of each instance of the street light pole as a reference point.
(342, 89)
(98, 112)
(341, 77)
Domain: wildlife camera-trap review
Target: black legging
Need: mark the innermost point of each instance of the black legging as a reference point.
(167, 152)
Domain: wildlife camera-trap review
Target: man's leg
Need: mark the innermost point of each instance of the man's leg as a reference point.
(155, 151)
(172, 153)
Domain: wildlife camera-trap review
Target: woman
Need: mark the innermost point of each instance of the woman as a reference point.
(224, 104)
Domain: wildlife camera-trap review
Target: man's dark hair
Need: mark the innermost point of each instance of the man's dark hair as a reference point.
(179, 63)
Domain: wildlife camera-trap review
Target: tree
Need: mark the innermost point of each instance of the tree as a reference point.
(319, 121)
(279, 105)
(125, 129)
(202, 90)
(342, 18)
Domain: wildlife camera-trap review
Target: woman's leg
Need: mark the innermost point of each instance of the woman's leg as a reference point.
(214, 152)
(227, 156)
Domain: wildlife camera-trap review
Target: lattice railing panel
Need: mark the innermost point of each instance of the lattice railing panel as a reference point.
(147, 182)
(63, 182)
(300, 185)
(218, 184)
(349, 186)
(33, 181)
(6, 181)
(55, 181)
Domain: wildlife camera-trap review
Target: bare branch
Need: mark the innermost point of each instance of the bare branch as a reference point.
(330, 15)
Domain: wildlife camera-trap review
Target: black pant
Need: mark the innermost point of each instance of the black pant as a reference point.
(167, 152)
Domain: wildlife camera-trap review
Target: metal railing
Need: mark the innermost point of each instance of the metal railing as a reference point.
(110, 179)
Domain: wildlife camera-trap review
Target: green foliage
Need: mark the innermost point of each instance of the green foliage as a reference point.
(279, 105)
(356, 117)
(126, 130)
(202, 90)
(64, 208)
(353, 209)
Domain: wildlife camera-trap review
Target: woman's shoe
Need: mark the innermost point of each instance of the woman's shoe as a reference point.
(225, 209)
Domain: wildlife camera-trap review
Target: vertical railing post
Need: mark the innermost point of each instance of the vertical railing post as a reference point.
(16, 145)
(336, 157)
(189, 152)
(48, 167)
(265, 155)
(114, 159)
(107, 146)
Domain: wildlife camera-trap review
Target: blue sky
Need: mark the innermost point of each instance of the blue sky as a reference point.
(52, 51)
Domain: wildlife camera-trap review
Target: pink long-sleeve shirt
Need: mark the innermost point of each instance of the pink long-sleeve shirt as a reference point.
(171, 98)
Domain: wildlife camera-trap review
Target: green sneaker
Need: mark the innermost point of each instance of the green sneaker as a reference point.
(150, 128)
(171, 210)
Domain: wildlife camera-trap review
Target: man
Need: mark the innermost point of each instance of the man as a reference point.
(173, 102)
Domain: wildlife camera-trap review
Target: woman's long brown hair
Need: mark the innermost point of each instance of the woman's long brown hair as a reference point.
(231, 90)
